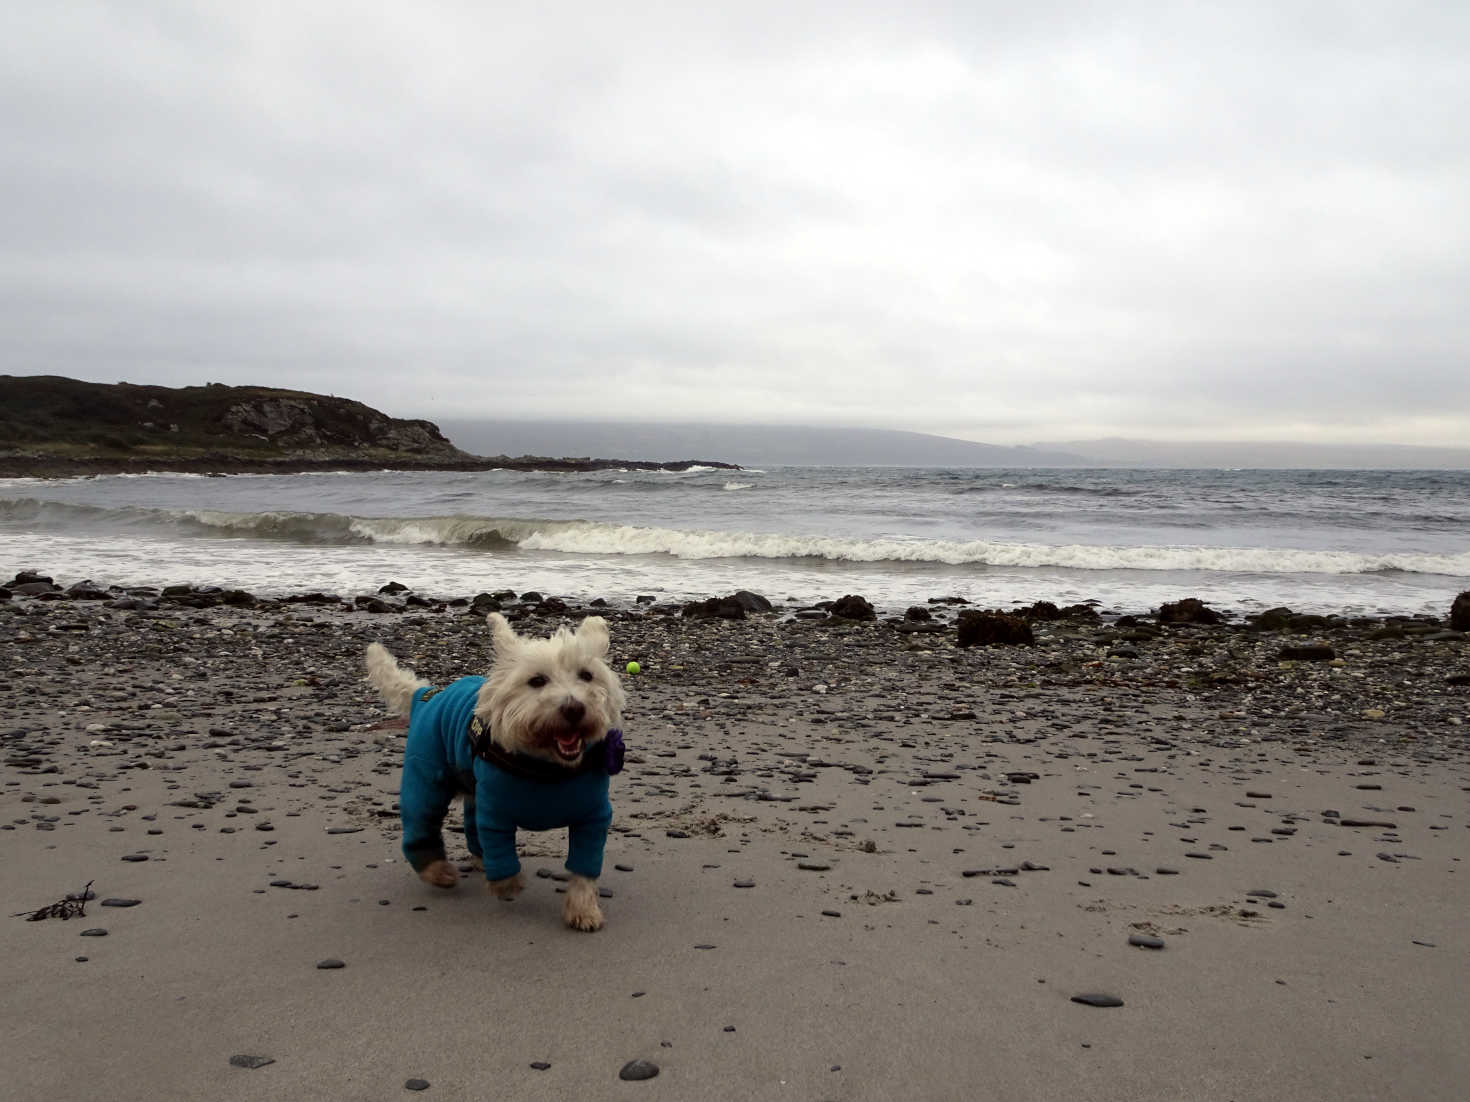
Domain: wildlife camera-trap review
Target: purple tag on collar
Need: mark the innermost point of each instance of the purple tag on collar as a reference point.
(613, 749)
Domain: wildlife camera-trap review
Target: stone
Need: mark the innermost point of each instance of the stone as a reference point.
(331, 962)
(635, 1070)
(994, 628)
(415, 1084)
(1191, 610)
(1312, 652)
(716, 608)
(853, 607)
(33, 589)
(1273, 619)
(1095, 999)
(1460, 612)
(244, 1061)
(1041, 610)
(751, 602)
(1145, 941)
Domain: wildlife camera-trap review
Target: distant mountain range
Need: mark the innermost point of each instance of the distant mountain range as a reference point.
(1279, 454)
(755, 445)
(53, 426)
(747, 445)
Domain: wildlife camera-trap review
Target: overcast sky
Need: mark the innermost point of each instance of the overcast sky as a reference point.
(1007, 222)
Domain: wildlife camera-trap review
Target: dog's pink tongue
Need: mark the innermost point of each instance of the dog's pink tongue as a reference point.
(569, 747)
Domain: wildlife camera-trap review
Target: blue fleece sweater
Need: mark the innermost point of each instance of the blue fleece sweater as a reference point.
(439, 761)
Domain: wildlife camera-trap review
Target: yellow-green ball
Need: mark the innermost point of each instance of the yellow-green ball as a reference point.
(634, 667)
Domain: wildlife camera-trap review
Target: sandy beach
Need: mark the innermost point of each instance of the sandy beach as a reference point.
(848, 861)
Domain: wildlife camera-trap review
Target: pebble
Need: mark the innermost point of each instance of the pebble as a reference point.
(1097, 1000)
(245, 1061)
(415, 1084)
(96, 931)
(745, 883)
(540, 1065)
(638, 1069)
(1145, 941)
(120, 902)
(331, 962)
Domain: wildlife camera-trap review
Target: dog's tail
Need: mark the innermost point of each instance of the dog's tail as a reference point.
(395, 684)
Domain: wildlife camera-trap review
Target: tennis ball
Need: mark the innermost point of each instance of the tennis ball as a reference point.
(634, 667)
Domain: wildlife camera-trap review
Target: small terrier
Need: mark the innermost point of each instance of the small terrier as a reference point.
(530, 746)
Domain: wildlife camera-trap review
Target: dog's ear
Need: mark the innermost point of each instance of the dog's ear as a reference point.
(502, 636)
(592, 633)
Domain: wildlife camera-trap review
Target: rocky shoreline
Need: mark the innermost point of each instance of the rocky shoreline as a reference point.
(1358, 675)
(1151, 850)
(50, 466)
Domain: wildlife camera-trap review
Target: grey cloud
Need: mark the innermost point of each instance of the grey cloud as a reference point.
(994, 218)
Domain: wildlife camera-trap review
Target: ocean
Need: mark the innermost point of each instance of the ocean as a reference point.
(1334, 541)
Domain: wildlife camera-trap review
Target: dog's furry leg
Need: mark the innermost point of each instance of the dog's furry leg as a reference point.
(440, 874)
(508, 888)
(580, 911)
(395, 684)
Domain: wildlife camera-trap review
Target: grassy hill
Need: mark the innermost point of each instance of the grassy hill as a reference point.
(54, 426)
(62, 417)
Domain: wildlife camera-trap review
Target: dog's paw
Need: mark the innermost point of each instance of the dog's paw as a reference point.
(441, 874)
(580, 911)
(584, 918)
(508, 888)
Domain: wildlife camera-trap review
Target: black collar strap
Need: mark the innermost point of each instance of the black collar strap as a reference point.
(528, 766)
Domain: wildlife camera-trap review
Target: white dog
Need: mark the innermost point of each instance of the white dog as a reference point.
(530, 746)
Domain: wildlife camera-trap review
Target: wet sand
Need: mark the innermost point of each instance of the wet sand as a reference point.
(847, 862)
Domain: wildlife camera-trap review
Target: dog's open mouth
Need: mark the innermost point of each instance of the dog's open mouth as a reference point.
(568, 747)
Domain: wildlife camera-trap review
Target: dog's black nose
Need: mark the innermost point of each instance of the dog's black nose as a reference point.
(573, 712)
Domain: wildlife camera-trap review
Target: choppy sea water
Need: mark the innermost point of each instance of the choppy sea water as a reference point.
(1357, 542)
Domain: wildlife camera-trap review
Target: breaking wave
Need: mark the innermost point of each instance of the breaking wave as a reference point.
(589, 538)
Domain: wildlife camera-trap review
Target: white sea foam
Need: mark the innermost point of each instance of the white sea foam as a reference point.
(481, 533)
(1349, 542)
(601, 539)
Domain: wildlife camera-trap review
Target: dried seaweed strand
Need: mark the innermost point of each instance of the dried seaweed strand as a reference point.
(70, 907)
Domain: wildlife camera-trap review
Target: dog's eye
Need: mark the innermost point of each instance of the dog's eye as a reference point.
(585, 675)
(537, 682)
